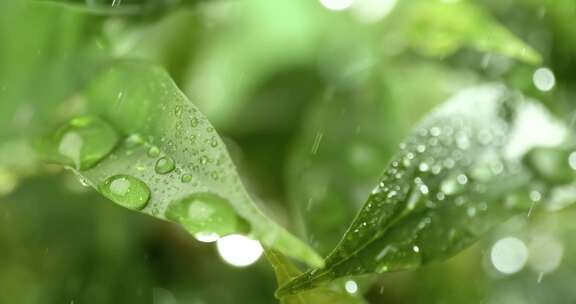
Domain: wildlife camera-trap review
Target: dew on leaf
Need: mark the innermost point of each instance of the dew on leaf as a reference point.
(186, 178)
(164, 165)
(203, 213)
(134, 140)
(194, 122)
(153, 152)
(82, 142)
(127, 191)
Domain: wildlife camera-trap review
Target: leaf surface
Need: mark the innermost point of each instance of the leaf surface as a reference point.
(454, 179)
(164, 158)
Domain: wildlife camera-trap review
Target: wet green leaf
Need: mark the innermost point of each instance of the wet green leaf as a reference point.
(349, 135)
(285, 271)
(453, 179)
(157, 123)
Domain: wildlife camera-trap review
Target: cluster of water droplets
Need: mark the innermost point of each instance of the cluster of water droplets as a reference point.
(142, 173)
(442, 185)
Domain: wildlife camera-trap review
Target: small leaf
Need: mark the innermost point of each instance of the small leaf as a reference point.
(454, 179)
(171, 163)
(285, 271)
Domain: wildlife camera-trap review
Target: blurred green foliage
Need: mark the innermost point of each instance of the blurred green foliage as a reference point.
(311, 103)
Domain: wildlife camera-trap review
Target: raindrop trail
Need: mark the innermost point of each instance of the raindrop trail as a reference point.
(531, 209)
(540, 277)
(120, 97)
(317, 141)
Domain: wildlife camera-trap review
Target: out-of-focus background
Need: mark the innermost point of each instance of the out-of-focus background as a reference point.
(312, 97)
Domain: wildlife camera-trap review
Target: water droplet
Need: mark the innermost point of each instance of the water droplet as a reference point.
(440, 196)
(154, 152)
(337, 5)
(207, 237)
(186, 178)
(126, 191)
(351, 287)
(83, 142)
(462, 179)
(535, 196)
(134, 140)
(424, 189)
(572, 160)
(423, 167)
(194, 122)
(164, 165)
(544, 79)
(435, 131)
(451, 186)
(213, 142)
(509, 255)
(238, 250)
(204, 213)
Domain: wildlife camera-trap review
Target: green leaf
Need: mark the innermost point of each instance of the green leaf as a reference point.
(439, 28)
(350, 134)
(285, 271)
(169, 162)
(454, 178)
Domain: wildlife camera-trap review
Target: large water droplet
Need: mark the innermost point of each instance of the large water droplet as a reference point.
(204, 213)
(164, 165)
(126, 191)
(82, 142)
